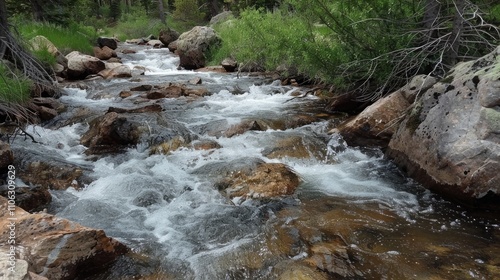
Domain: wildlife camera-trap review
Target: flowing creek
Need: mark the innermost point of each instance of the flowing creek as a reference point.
(353, 216)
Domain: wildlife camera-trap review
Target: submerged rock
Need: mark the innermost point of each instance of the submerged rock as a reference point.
(48, 171)
(450, 140)
(252, 178)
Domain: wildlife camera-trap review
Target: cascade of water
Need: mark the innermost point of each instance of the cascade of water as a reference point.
(163, 206)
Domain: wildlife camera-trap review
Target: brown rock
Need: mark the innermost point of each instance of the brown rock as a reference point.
(193, 44)
(111, 43)
(115, 60)
(298, 271)
(145, 109)
(30, 198)
(155, 43)
(168, 35)
(51, 175)
(103, 53)
(379, 121)
(172, 46)
(6, 155)
(168, 146)
(267, 180)
(229, 64)
(128, 51)
(49, 102)
(142, 88)
(110, 133)
(196, 92)
(206, 145)
(122, 71)
(191, 59)
(243, 127)
(81, 65)
(172, 91)
(57, 248)
(125, 94)
(215, 69)
(45, 113)
(296, 147)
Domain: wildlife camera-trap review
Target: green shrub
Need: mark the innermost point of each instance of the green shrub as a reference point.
(45, 57)
(135, 25)
(14, 87)
(188, 10)
(278, 38)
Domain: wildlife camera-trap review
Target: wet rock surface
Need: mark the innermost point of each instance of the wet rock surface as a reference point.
(379, 121)
(61, 249)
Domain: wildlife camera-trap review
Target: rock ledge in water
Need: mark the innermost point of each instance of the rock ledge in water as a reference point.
(57, 248)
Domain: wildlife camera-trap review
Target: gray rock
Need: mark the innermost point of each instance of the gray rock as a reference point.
(450, 140)
(192, 46)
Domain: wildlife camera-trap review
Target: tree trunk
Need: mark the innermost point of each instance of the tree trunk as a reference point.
(431, 15)
(213, 7)
(4, 29)
(37, 9)
(456, 33)
(162, 12)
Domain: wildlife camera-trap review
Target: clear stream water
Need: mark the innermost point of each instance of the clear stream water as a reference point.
(354, 215)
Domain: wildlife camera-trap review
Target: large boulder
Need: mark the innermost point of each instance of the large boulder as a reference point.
(167, 36)
(378, 122)
(81, 65)
(192, 46)
(40, 42)
(56, 248)
(221, 17)
(114, 132)
(450, 139)
(111, 133)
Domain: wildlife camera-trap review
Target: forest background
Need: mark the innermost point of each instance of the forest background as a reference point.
(365, 48)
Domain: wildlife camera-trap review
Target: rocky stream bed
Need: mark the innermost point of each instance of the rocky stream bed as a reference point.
(206, 175)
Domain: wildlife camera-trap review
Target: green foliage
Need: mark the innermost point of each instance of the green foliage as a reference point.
(66, 39)
(45, 57)
(495, 14)
(280, 38)
(135, 25)
(14, 87)
(188, 10)
(115, 10)
(60, 12)
(366, 47)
